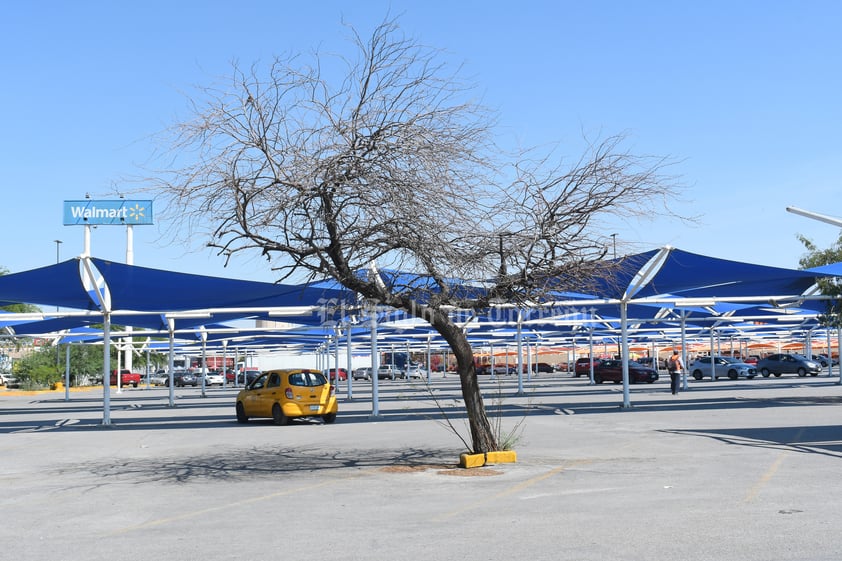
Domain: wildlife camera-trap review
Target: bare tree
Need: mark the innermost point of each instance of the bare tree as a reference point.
(393, 164)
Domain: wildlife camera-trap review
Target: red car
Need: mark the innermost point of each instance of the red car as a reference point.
(331, 374)
(583, 366)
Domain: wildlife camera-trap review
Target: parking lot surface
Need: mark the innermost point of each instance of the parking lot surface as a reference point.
(729, 470)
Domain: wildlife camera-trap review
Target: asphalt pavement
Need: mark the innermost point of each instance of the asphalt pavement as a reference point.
(729, 470)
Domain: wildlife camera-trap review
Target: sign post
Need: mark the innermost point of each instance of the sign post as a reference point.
(119, 212)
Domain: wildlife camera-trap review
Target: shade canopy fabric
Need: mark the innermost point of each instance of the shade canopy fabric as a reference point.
(645, 282)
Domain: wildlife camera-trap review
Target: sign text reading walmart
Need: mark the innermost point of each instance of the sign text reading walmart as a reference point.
(121, 211)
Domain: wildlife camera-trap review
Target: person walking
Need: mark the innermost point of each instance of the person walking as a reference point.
(675, 367)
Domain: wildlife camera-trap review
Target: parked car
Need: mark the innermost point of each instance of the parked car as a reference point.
(752, 359)
(387, 372)
(183, 378)
(725, 366)
(824, 361)
(543, 367)
(247, 376)
(331, 374)
(413, 371)
(583, 366)
(159, 378)
(363, 373)
(212, 378)
(9, 380)
(833, 361)
(499, 369)
(127, 378)
(230, 376)
(649, 361)
(612, 371)
(286, 394)
(787, 363)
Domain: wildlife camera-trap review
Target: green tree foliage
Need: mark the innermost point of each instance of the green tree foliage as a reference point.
(47, 365)
(816, 257)
(38, 369)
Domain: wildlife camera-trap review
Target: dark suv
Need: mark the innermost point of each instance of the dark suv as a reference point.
(181, 378)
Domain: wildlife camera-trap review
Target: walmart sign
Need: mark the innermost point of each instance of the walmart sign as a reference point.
(121, 211)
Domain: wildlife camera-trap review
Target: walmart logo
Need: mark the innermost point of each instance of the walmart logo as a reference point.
(136, 213)
(93, 212)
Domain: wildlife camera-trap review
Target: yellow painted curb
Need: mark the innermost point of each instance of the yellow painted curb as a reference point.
(478, 460)
(501, 457)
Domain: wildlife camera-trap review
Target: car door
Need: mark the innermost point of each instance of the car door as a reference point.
(788, 364)
(721, 367)
(262, 394)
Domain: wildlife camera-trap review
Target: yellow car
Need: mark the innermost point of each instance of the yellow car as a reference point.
(286, 394)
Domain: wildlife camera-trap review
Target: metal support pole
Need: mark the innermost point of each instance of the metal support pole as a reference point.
(67, 372)
(106, 367)
(349, 381)
(375, 365)
(519, 352)
(170, 365)
(624, 353)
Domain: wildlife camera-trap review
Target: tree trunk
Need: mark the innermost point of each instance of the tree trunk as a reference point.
(482, 435)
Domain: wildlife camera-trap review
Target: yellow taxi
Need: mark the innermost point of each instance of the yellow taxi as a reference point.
(287, 394)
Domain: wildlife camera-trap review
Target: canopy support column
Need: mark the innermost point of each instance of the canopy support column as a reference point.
(624, 356)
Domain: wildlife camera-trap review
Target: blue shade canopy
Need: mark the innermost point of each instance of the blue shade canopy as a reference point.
(152, 290)
(690, 275)
(653, 276)
(143, 289)
(55, 285)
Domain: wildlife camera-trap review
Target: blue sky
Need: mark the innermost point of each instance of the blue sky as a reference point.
(745, 96)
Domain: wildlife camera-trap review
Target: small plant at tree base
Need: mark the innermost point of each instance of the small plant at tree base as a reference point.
(506, 440)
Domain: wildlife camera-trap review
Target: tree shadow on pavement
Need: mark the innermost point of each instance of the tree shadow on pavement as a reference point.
(257, 463)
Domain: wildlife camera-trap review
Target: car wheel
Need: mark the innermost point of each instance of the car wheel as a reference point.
(732, 374)
(777, 374)
(697, 374)
(801, 372)
(278, 415)
(750, 377)
(814, 374)
(329, 418)
(597, 379)
(241, 414)
(764, 372)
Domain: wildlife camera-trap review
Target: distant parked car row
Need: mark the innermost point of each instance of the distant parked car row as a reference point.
(391, 372)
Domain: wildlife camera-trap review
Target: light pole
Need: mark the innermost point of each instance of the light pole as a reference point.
(614, 240)
(58, 243)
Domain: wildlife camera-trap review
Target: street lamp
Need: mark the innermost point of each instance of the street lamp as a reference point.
(614, 240)
(58, 243)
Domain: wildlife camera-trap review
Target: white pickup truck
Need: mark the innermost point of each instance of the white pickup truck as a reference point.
(8, 380)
